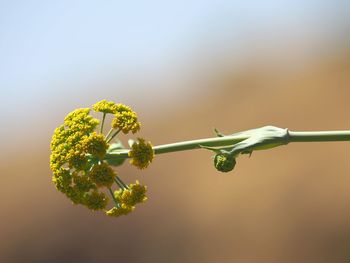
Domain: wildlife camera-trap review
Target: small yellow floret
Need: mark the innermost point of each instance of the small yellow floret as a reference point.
(76, 159)
(102, 174)
(95, 144)
(62, 179)
(105, 107)
(83, 183)
(80, 120)
(121, 107)
(118, 211)
(141, 154)
(136, 193)
(125, 120)
(96, 200)
(75, 195)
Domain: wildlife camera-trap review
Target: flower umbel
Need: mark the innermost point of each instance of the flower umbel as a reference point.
(102, 174)
(134, 194)
(95, 144)
(141, 153)
(119, 211)
(105, 107)
(125, 119)
(127, 198)
(96, 200)
(79, 161)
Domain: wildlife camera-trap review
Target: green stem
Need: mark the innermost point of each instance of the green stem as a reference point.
(186, 145)
(115, 134)
(109, 133)
(120, 183)
(103, 121)
(196, 144)
(319, 136)
(112, 194)
(293, 136)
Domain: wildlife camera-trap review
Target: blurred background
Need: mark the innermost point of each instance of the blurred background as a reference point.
(185, 67)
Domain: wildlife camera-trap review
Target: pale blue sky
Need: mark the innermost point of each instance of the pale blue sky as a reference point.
(46, 47)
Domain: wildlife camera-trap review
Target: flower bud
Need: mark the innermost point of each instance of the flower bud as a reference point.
(224, 162)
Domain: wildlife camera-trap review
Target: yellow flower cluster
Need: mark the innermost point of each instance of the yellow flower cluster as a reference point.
(96, 200)
(118, 211)
(71, 142)
(105, 107)
(80, 120)
(127, 198)
(81, 168)
(125, 119)
(136, 193)
(141, 154)
(95, 144)
(102, 174)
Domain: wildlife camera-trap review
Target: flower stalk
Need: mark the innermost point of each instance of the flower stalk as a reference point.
(183, 146)
(229, 140)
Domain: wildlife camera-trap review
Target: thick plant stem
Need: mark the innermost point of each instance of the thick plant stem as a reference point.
(185, 145)
(319, 136)
(229, 140)
(195, 144)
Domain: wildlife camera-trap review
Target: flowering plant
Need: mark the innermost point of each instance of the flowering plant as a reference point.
(83, 158)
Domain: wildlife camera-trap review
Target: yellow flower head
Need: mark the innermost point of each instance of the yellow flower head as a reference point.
(102, 174)
(136, 193)
(80, 120)
(96, 200)
(118, 211)
(75, 195)
(125, 120)
(66, 140)
(121, 107)
(105, 107)
(95, 144)
(141, 154)
(62, 179)
(71, 142)
(80, 163)
(83, 183)
(77, 159)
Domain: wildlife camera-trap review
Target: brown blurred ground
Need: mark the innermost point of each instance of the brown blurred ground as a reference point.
(290, 204)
